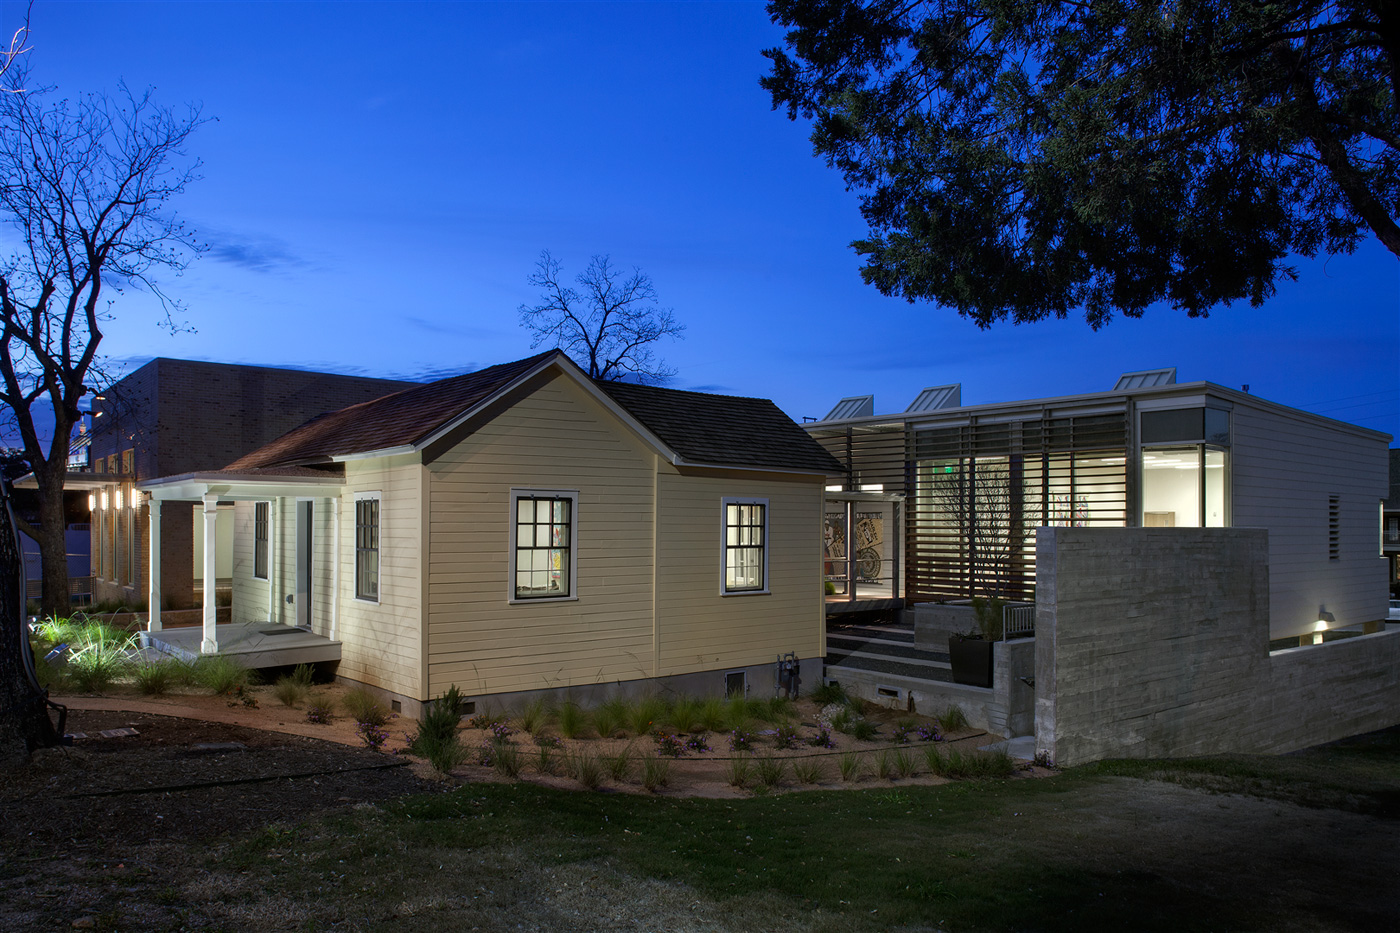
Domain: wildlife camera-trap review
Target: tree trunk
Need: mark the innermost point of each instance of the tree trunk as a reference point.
(24, 716)
(53, 543)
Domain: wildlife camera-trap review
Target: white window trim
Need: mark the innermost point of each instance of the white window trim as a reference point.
(724, 505)
(378, 551)
(516, 494)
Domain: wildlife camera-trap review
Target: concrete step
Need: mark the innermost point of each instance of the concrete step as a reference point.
(866, 669)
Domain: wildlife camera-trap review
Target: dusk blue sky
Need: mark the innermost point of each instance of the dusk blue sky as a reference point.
(382, 178)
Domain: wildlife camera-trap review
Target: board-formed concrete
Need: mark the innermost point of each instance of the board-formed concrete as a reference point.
(1153, 642)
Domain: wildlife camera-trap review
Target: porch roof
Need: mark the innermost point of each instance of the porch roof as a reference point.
(247, 484)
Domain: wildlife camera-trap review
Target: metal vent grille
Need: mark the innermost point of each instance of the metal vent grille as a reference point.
(1334, 528)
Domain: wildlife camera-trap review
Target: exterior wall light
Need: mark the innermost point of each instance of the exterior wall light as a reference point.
(1325, 620)
(118, 497)
(136, 498)
(92, 502)
(104, 500)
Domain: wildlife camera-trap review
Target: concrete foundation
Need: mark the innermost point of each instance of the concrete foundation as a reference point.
(760, 681)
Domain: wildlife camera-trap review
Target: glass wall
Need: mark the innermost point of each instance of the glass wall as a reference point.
(1185, 485)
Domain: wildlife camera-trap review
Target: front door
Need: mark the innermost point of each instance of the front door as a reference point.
(303, 583)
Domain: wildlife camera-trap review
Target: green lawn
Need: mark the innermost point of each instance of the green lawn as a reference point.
(1208, 844)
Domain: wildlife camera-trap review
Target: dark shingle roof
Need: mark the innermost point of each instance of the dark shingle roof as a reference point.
(724, 430)
(719, 430)
(401, 418)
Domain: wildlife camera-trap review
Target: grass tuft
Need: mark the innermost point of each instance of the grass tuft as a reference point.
(656, 773)
(573, 720)
(362, 706)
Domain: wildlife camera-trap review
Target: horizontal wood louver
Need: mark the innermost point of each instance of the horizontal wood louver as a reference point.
(981, 490)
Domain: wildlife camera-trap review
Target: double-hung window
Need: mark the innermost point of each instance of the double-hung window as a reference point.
(544, 528)
(260, 536)
(367, 546)
(745, 545)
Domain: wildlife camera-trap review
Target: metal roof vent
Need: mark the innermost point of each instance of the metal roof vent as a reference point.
(932, 399)
(1146, 379)
(857, 406)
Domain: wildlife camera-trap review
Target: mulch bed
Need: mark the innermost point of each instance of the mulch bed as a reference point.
(182, 780)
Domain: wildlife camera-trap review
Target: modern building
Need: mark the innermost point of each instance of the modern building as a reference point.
(959, 490)
(1390, 526)
(174, 416)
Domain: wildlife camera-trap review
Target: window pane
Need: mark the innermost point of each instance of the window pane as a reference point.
(1171, 487)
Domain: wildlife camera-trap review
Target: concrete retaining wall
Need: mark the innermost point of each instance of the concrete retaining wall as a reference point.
(1154, 642)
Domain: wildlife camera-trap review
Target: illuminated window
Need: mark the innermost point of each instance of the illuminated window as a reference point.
(543, 550)
(745, 545)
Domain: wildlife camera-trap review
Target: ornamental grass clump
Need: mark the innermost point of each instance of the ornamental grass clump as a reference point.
(851, 765)
(292, 689)
(155, 677)
(573, 720)
(959, 764)
(769, 770)
(684, 715)
(609, 717)
(364, 707)
(656, 773)
(585, 768)
(546, 760)
(506, 758)
(953, 719)
(712, 714)
(643, 715)
(828, 694)
(221, 674)
(533, 715)
(619, 765)
(739, 771)
(809, 770)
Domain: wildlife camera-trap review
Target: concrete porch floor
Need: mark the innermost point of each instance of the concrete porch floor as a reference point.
(255, 644)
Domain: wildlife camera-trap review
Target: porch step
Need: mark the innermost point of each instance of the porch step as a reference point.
(883, 649)
(867, 669)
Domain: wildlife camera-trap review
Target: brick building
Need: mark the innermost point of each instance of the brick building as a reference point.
(177, 416)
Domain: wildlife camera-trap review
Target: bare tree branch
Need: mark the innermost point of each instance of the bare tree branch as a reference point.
(609, 323)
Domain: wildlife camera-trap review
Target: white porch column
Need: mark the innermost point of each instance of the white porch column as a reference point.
(153, 570)
(210, 645)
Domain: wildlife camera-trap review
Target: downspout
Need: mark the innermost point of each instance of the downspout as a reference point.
(335, 563)
(655, 551)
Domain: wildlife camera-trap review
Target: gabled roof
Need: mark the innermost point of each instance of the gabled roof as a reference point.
(398, 420)
(689, 428)
(724, 430)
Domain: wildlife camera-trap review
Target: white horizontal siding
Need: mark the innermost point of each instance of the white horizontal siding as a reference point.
(1283, 471)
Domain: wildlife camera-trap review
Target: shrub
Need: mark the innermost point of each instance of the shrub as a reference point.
(547, 741)
(770, 770)
(851, 764)
(739, 771)
(740, 741)
(485, 721)
(318, 714)
(786, 737)
(362, 706)
(953, 719)
(373, 736)
(573, 720)
(437, 738)
(863, 730)
(656, 773)
(619, 765)
(822, 739)
(668, 745)
(698, 742)
(809, 770)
